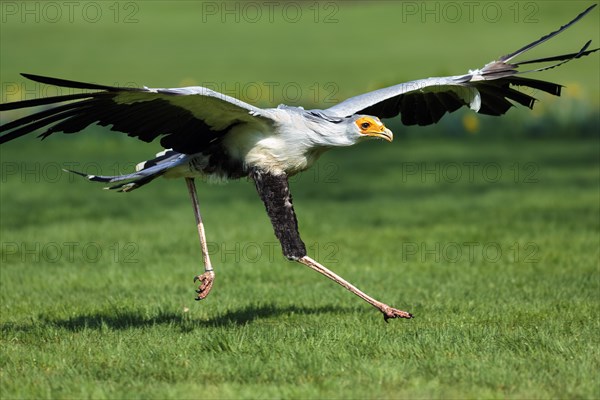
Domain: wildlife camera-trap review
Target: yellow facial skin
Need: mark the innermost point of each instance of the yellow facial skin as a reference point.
(372, 126)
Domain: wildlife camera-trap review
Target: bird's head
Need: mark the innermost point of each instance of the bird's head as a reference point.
(371, 127)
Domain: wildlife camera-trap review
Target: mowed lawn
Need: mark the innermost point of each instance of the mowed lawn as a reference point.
(490, 238)
(492, 244)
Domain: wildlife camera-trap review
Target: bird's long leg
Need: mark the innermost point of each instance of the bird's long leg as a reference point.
(388, 312)
(208, 277)
(275, 194)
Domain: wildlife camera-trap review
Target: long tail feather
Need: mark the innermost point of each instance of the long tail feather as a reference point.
(564, 61)
(15, 105)
(502, 68)
(541, 40)
(570, 56)
(74, 84)
(149, 171)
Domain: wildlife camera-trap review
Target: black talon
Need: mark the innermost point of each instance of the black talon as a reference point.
(386, 317)
(206, 280)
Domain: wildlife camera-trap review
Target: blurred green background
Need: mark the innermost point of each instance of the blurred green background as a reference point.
(299, 53)
(523, 326)
(356, 46)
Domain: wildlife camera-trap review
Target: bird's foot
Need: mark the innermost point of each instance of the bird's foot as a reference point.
(389, 312)
(207, 279)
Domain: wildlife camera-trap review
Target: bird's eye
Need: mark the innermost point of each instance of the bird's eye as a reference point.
(365, 125)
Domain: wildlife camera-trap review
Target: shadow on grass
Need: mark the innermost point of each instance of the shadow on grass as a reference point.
(120, 320)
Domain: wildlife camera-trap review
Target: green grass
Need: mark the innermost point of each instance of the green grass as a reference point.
(124, 324)
(501, 271)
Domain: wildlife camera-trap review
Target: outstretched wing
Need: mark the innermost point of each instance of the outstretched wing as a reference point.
(188, 118)
(487, 91)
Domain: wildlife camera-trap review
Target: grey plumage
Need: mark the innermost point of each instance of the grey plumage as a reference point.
(210, 134)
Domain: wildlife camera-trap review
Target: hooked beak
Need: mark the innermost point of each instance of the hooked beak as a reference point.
(384, 134)
(387, 135)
